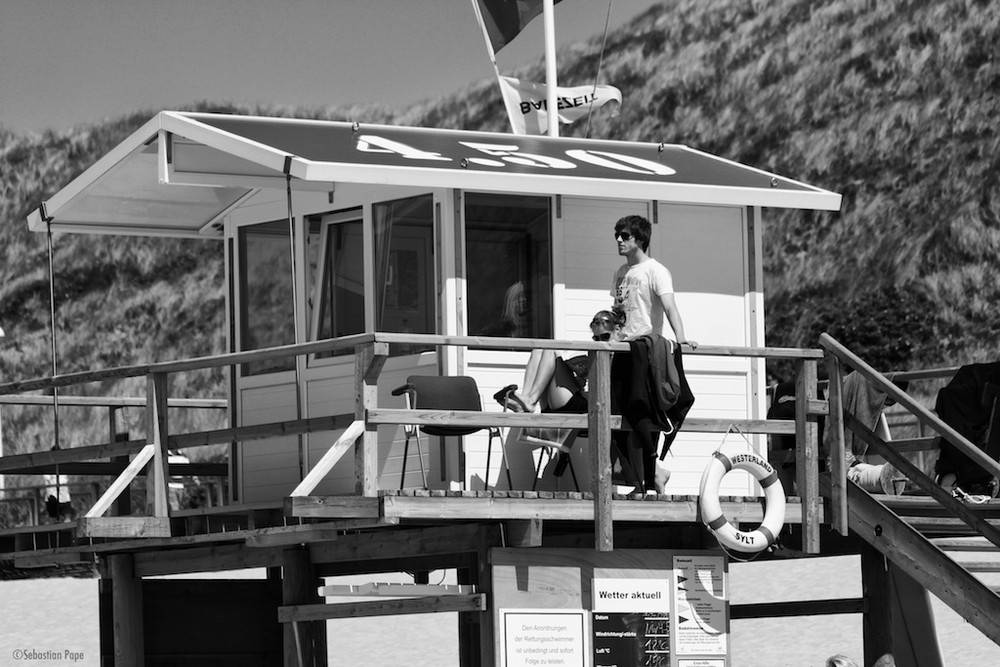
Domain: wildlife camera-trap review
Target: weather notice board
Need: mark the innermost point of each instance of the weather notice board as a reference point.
(626, 608)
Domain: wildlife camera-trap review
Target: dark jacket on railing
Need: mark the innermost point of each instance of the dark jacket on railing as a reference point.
(655, 387)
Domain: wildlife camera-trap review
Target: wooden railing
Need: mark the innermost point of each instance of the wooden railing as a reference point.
(371, 352)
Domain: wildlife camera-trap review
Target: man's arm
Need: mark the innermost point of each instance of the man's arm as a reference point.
(673, 316)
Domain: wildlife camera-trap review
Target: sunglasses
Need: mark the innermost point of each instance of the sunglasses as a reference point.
(603, 337)
(624, 236)
(602, 322)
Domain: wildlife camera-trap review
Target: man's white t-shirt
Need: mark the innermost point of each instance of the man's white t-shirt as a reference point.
(637, 290)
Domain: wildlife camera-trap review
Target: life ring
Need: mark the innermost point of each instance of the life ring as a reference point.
(711, 510)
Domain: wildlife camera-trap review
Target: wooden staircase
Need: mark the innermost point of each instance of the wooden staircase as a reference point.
(948, 545)
(942, 553)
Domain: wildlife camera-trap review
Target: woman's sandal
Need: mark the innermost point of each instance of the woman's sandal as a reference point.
(502, 395)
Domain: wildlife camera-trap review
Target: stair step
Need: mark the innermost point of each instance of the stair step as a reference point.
(980, 566)
(926, 506)
(940, 525)
(975, 543)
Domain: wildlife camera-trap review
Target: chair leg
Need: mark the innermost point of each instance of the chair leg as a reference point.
(538, 468)
(495, 433)
(406, 455)
(576, 485)
(489, 456)
(420, 458)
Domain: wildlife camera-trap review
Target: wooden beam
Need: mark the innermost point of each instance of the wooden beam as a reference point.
(378, 589)
(368, 363)
(333, 507)
(876, 623)
(306, 533)
(599, 423)
(114, 468)
(664, 509)
(213, 558)
(304, 639)
(430, 604)
(341, 446)
(260, 431)
(835, 436)
(124, 526)
(121, 483)
(400, 544)
(157, 433)
(17, 462)
(112, 401)
(126, 612)
(797, 608)
(807, 455)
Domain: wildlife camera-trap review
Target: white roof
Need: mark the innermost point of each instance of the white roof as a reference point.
(181, 172)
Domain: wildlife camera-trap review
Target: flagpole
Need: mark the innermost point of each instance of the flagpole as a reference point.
(551, 106)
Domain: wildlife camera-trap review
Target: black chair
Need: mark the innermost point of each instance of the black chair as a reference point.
(436, 392)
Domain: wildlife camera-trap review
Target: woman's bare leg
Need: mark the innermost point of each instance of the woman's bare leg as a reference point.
(538, 374)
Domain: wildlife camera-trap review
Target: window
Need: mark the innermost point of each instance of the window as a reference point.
(339, 304)
(509, 264)
(266, 289)
(404, 270)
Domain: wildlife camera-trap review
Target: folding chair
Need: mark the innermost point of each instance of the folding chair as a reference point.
(434, 392)
(556, 442)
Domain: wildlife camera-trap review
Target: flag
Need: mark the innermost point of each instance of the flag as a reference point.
(527, 104)
(502, 20)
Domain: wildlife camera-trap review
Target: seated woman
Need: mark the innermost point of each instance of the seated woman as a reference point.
(554, 384)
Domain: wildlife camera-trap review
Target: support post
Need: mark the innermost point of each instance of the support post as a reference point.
(304, 641)
(368, 362)
(599, 427)
(807, 454)
(123, 504)
(157, 435)
(835, 428)
(877, 623)
(126, 612)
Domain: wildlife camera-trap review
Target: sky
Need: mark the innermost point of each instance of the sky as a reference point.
(70, 62)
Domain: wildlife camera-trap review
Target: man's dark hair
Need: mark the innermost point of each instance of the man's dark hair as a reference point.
(638, 227)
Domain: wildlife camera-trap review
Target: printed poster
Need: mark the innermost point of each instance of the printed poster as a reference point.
(536, 637)
(631, 622)
(701, 606)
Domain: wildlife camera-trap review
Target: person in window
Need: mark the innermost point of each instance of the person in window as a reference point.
(553, 383)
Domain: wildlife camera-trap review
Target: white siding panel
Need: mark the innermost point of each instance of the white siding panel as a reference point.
(269, 468)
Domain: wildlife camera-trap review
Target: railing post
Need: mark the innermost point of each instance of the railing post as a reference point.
(599, 427)
(123, 504)
(368, 361)
(835, 429)
(807, 454)
(157, 435)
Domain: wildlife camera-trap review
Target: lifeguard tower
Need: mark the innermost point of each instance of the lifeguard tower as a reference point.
(359, 255)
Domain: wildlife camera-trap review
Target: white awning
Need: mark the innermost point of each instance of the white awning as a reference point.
(181, 172)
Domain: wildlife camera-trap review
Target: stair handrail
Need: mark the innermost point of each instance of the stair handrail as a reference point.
(837, 354)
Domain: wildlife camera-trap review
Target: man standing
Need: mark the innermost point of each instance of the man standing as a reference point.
(643, 290)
